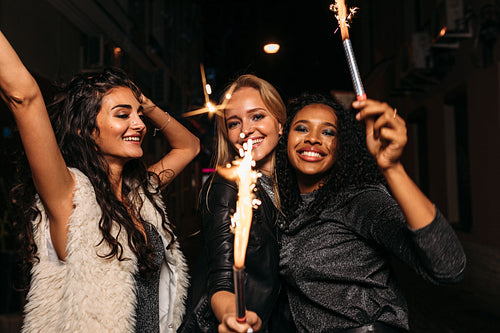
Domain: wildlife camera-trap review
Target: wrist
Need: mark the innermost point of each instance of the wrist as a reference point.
(394, 173)
(163, 126)
(148, 108)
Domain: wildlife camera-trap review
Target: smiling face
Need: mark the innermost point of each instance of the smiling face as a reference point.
(121, 130)
(247, 117)
(312, 145)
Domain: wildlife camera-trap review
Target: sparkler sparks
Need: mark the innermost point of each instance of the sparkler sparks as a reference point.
(341, 17)
(210, 107)
(242, 221)
(242, 218)
(242, 172)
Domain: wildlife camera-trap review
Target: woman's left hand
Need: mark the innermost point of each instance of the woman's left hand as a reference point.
(147, 104)
(385, 131)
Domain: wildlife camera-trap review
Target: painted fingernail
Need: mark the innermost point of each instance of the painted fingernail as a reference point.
(249, 330)
(358, 116)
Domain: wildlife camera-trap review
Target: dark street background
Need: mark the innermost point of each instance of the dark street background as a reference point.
(438, 62)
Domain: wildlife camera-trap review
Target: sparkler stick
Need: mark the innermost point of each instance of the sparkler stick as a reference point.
(341, 14)
(239, 292)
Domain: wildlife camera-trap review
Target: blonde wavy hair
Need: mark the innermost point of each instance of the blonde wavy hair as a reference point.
(225, 152)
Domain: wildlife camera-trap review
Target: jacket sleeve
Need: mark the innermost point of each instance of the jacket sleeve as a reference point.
(218, 202)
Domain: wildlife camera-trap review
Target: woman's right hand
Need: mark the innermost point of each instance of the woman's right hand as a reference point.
(229, 323)
(385, 132)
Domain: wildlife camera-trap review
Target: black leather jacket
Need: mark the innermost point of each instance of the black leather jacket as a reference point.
(214, 271)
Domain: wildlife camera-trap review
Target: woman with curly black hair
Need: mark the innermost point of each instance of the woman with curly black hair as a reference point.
(342, 224)
(103, 254)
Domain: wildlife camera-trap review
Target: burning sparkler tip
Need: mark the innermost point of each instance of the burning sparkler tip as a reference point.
(256, 202)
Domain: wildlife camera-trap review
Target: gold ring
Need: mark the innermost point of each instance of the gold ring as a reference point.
(395, 113)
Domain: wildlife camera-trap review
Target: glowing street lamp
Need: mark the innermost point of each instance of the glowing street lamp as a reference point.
(271, 48)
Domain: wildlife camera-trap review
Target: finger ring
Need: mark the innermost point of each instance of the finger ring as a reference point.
(395, 113)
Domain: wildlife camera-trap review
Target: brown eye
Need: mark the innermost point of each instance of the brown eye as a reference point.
(300, 128)
(257, 117)
(329, 132)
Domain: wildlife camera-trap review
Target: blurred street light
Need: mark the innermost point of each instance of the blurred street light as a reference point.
(271, 48)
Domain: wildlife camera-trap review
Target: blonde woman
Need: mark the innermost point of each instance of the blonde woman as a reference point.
(257, 112)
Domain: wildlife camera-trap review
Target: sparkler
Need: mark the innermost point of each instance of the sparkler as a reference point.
(341, 15)
(210, 107)
(241, 221)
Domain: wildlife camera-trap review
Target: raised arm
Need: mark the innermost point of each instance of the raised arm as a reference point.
(386, 138)
(185, 146)
(52, 179)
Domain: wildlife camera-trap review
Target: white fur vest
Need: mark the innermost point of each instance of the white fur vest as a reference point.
(88, 293)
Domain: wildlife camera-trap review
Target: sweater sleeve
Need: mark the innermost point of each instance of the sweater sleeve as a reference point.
(440, 250)
(434, 251)
(217, 208)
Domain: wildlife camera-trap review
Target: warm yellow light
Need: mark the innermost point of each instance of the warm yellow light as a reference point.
(208, 88)
(442, 32)
(117, 51)
(271, 48)
(210, 107)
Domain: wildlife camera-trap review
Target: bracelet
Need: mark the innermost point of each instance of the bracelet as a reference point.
(163, 127)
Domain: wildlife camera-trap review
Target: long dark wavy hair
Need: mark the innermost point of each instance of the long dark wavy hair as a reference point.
(73, 115)
(353, 167)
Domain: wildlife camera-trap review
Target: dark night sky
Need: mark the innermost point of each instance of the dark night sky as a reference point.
(311, 55)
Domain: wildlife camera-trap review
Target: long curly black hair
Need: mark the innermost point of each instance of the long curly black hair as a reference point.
(73, 116)
(354, 166)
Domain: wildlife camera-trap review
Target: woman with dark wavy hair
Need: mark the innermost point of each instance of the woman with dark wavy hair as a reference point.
(103, 254)
(349, 206)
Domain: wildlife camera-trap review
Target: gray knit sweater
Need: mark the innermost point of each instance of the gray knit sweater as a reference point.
(336, 265)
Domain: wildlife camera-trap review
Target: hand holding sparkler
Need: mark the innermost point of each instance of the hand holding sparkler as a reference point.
(385, 132)
(386, 137)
